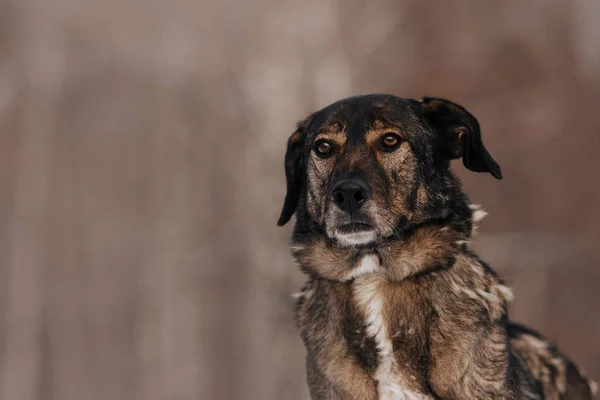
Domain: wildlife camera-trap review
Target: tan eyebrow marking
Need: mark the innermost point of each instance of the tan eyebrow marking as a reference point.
(333, 131)
(338, 137)
(379, 124)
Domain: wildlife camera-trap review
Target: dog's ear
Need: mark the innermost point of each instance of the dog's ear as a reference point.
(462, 135)
(294, 171)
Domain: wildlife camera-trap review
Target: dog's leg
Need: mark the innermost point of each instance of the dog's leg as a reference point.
(320, 387)
(333, 372)
(342, 376)
(470, 361)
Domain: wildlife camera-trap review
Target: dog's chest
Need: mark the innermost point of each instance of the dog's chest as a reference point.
(393, 321)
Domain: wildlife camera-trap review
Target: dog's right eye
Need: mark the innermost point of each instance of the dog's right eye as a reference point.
(323, 148)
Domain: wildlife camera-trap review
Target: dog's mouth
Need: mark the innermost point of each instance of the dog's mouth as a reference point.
(354, 227)
(355, 234)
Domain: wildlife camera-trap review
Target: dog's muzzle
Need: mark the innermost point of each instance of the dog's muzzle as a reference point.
(349, 194)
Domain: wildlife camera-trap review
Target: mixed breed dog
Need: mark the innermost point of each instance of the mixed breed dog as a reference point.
(397, 306)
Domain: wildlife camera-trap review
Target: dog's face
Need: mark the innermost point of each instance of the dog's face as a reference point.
(363, 168)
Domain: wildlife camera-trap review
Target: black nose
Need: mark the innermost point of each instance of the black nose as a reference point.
(350, 194)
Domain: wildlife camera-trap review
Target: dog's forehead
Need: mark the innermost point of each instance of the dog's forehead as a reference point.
(360, 113)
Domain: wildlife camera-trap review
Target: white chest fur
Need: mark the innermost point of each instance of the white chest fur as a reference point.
(368, 294)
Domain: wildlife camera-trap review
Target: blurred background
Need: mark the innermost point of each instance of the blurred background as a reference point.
(141, 176)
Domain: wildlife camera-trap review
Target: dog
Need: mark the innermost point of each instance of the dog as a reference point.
(397, 306)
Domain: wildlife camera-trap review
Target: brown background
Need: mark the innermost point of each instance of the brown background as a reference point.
(141, 151)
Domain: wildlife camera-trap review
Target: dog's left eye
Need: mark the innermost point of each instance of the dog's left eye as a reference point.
(390, 141)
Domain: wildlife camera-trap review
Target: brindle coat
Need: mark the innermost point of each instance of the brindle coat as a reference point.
(397, 306)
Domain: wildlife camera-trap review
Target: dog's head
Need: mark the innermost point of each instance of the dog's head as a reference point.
(366, 167)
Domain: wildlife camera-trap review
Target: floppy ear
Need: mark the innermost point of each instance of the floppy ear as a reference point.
(461, 133)
(294, 172)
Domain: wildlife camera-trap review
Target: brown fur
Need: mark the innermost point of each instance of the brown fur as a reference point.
(442, 305)
(411, 312)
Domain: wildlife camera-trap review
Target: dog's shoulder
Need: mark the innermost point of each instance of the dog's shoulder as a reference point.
(326, 313)
(320, 298)
(469, 287)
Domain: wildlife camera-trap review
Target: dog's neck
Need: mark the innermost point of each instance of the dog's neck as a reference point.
(420, 249)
